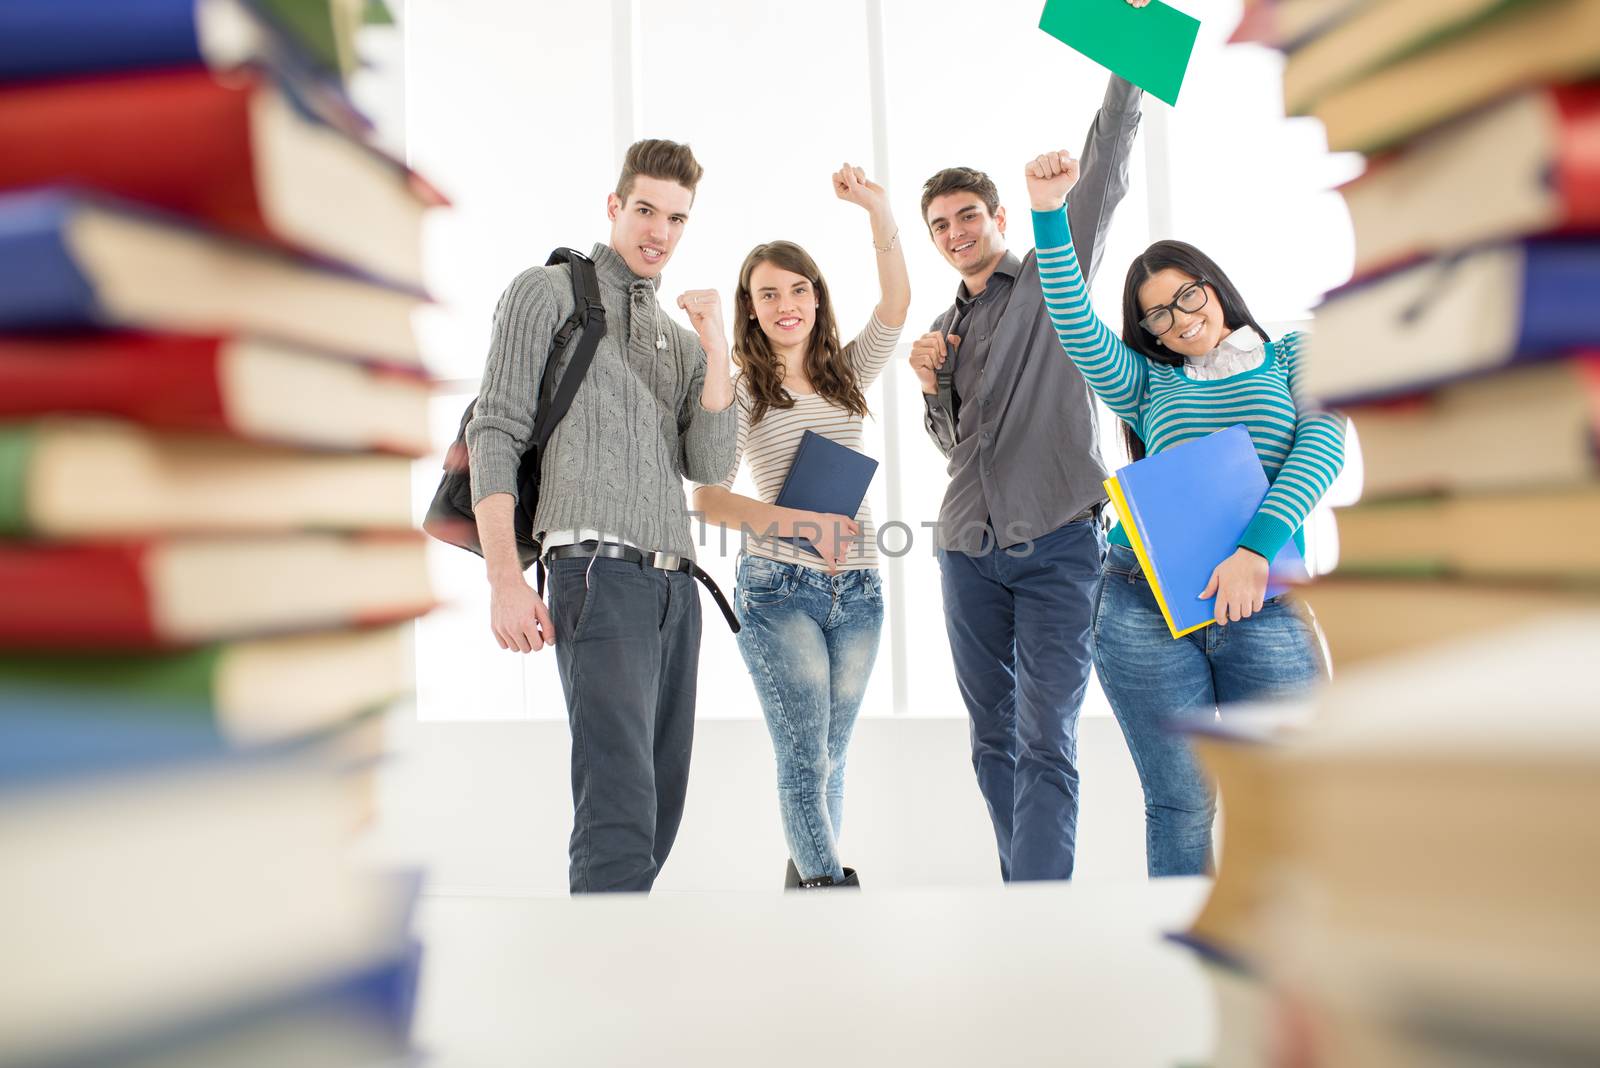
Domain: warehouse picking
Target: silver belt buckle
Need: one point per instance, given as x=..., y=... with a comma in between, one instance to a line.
x=666, y=561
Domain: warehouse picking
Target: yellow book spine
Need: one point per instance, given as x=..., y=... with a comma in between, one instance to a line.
x=1114, y=491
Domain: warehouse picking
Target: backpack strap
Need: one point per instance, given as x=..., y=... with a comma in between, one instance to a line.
x=587, y=311
x=588, y=321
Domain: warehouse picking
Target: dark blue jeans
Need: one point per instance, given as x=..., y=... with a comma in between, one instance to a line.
x=1151, y=678
x=809, y=639
x=628, y=647
x=1018, y=620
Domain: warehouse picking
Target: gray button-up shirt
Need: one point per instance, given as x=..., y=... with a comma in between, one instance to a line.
x=975, y=321
x=1025, y=455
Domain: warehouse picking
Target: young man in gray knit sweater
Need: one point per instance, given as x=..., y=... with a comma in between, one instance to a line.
x=655, y=408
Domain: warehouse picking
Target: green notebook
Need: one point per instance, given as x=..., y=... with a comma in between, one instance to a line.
x=1149, y=46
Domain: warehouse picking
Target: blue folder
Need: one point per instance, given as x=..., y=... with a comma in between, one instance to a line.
x=825, y=477
x=1189, y=505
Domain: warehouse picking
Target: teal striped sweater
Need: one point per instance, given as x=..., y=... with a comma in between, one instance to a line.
x=1302, y=449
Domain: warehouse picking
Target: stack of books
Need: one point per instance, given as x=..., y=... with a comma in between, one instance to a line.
x=210, y=401
x=1407, y=878
x=1463, y=350
x=1407, y=871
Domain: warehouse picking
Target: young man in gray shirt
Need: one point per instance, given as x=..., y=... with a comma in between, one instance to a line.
x=1019, y=540
x=656, y=407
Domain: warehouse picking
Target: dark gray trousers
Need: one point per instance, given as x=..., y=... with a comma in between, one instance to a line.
x=628, y=647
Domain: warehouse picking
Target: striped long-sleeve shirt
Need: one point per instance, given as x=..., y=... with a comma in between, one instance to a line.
x=1302, y=449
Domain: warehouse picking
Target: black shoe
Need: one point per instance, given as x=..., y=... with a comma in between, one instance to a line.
x=828, y=882
x=791, y=876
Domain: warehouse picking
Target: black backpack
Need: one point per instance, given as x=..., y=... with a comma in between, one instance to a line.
x=450, y=517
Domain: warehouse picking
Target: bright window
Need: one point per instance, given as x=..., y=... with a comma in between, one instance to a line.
x=519, y=112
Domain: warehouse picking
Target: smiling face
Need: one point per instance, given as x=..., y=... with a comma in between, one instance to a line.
x=969, y=238
x=645, y=229
x=1192, y=333
x=784, y=305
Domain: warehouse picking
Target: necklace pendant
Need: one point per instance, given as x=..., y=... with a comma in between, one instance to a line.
x=661, y=341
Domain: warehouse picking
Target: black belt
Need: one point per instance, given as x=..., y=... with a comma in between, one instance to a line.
x=1091, y=512
x=662, y=561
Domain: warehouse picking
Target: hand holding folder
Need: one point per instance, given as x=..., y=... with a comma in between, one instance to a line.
x=825, y=477
x=1184, y=510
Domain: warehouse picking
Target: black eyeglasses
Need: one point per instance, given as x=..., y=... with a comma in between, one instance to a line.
x=1191, y=298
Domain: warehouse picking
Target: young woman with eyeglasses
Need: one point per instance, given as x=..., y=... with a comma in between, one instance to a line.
x=1192, y=360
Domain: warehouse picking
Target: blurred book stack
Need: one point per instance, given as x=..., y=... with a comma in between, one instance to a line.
x=210, y=400
x=1408, y=879
x=1403, y=879
x=1463, y=350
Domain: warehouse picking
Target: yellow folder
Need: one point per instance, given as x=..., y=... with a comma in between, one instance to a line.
x=1114, y=491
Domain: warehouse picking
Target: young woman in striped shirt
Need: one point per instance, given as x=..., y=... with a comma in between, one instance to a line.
x=1192, y=360
x=810, y=623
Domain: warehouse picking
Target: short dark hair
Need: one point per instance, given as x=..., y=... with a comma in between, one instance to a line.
x=960, y=180
x=657, y=158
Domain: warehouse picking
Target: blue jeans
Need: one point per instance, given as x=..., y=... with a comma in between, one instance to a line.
x=1150, y=678
x=628, y=649
x=809, y=639
x=1018, y=621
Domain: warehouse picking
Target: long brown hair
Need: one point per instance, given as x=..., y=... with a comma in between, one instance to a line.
x=824, y=364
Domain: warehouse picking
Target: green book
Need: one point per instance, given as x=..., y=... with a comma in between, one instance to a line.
x=1149, y=46
x=263, y=690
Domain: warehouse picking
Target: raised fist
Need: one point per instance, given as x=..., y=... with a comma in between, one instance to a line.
x=1051, y=176
x=851, y=184
x=705, y=316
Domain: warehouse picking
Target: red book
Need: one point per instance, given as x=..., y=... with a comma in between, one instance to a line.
x=151, y=594
x=1528, y=165
x=245, y=387
x=229, y=149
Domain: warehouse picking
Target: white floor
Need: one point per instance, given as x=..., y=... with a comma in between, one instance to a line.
x=1048, y=974
x=933, y=963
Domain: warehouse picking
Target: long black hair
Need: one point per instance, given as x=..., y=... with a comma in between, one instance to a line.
x=1182, y=256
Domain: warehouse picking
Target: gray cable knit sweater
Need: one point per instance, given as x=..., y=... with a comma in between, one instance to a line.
x=636, y=429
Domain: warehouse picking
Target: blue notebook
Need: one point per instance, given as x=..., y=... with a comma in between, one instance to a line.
x=825, y=477
x=1186, y=508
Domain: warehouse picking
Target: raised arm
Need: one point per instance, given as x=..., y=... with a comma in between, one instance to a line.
x=1118, y=375
x=1314, y=461
x=872, y=349
x=1106, y=152
x=894, y=283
